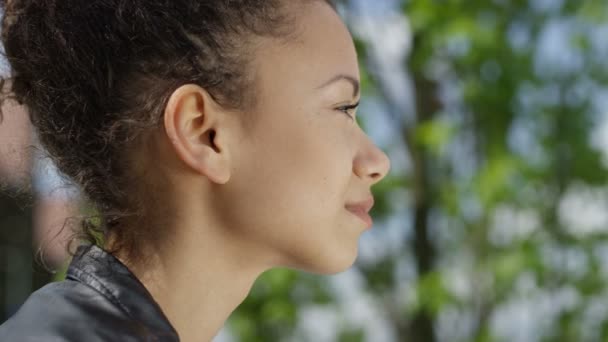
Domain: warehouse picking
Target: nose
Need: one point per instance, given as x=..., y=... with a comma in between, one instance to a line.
x=371, y=163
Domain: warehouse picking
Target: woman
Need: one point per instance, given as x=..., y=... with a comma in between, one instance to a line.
x=217, y=139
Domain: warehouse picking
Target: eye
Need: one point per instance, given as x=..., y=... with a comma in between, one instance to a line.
x=349, y=110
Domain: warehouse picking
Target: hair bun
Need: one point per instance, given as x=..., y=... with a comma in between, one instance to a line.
x=11, y=86
x=9, y=9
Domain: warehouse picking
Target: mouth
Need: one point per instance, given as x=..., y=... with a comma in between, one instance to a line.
x=361, y=210
x=364, y=216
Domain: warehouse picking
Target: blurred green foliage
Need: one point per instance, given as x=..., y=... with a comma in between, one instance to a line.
x=498, y=179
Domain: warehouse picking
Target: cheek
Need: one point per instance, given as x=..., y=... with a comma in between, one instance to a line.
x=289, y=191
x=296, y=172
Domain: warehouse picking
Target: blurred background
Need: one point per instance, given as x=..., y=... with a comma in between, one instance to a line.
x=493, y=224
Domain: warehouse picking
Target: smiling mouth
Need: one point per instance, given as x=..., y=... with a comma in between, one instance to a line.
x=363, y=215
x=361, y=210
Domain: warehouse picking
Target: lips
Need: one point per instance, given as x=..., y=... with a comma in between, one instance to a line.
x=361, y=210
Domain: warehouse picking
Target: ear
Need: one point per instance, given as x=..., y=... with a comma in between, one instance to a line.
x=196, y=127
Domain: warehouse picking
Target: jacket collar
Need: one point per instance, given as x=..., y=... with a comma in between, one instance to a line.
x=100, y=270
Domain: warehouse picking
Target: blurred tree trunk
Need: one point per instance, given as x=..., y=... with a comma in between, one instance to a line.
x=427, y=104
x=19, y=273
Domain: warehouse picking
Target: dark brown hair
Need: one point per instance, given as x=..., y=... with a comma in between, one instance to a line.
x=95, y=76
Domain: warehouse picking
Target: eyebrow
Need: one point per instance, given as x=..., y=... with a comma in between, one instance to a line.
x=350, y=79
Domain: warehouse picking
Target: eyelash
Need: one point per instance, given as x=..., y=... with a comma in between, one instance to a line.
x=346, y=109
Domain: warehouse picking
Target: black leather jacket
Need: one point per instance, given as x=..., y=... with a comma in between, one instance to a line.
x=100, y=300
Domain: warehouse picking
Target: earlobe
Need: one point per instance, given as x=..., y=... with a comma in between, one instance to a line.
x=195, y=128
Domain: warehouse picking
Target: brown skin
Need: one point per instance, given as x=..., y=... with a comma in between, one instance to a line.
x=264, y=188
x=49, y=212
x=15, y=137
x=51, y=226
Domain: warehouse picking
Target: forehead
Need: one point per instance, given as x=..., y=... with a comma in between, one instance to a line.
x=321, y=48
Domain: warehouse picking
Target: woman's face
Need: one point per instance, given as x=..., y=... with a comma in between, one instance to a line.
x=305, y=164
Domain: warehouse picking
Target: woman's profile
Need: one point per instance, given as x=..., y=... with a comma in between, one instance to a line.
x=215, y=139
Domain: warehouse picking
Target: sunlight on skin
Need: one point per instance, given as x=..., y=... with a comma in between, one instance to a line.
x=291, y=187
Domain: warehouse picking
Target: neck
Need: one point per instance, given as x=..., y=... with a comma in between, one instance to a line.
x=198, y=278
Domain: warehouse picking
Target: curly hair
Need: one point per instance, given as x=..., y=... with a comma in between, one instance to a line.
x=96, y=75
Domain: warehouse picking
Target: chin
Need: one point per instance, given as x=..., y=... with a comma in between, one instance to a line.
x=332, y=263
x=323, y=254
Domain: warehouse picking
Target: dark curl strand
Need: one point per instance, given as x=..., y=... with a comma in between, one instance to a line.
x=95, y=75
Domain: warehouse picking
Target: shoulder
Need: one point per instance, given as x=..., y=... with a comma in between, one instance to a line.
x=69, y=311
x=101, y=300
